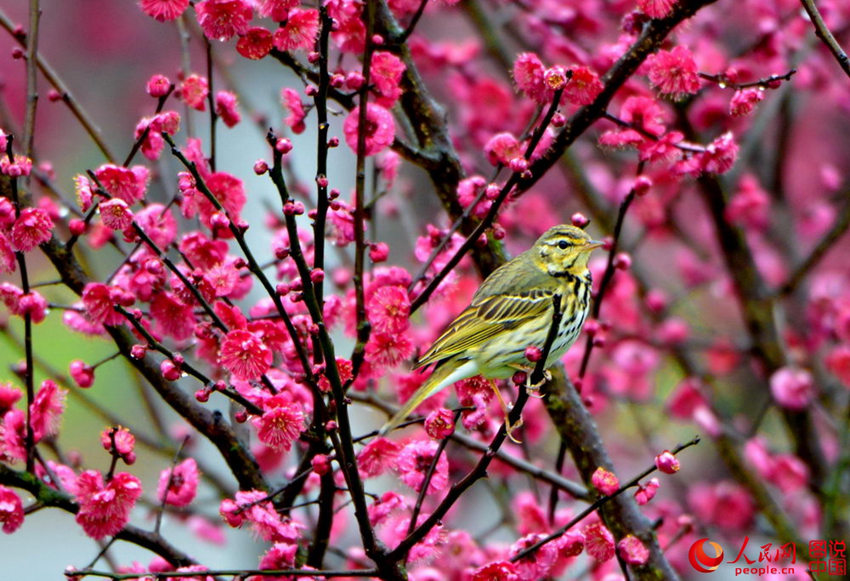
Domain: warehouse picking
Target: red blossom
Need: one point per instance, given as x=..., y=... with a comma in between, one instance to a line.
x=377, y=457
x=604, y=481
x=674, y=72
x=584, y=86
x=194, y=91
x=46, y=409
x=299, y=32
x=598, y=541
x=105, y=507
x=115, y=214
x=414, y=461
x=632, y=550
x=245, y=355
x=128, y=184
x=280, y=425
x=164, y=10
x=256, y=43
x=179, y=485
x=223, y=19
x=11, y=510
x=32, y=227
x=379, y=131
x=656, y=8
x=227, y=107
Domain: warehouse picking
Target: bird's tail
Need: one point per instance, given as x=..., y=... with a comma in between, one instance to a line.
x=443, y=376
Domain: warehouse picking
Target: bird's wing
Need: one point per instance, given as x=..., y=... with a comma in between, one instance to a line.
x=484, y=319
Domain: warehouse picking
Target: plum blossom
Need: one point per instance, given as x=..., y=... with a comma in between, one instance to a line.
x=164, y=10
x=245, y=355
x=11, y=510
x=223, y=19
x=105, y=506
x=379, y=131
x=673, y=72
x=178, y=485
x=792, y=388
x=414, y=461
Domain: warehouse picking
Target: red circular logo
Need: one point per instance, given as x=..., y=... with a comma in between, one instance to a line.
x=701, y=561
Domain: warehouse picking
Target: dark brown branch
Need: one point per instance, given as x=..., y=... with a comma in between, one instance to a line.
x=826, y=36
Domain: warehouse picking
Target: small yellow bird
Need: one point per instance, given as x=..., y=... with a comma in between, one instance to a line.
x=511, y=311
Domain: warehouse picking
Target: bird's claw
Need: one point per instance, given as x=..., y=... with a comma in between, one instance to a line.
x=534, y=387
x=509, y=429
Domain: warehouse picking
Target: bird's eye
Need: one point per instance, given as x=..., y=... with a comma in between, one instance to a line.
x=563, y=244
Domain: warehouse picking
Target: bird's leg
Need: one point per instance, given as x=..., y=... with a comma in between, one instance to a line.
x=509, y=428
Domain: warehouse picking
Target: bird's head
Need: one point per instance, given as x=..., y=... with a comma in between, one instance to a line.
x=564, y=250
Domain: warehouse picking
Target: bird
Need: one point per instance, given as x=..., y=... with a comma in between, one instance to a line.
x=512, y=310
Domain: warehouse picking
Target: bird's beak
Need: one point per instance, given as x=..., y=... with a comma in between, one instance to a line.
x=591, y=244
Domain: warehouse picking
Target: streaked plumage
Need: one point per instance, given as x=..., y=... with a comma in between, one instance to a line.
x=510, y=311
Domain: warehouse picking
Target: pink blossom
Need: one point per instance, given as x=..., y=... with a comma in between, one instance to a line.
x=745, y=100
x=632, y=550
x=379, y=132
x=387, y=70
x=276, y=9
x=604, y=481
x=11, y=510
x=245, y=355
x=725, y=504
x=440, y=424
x=388, y=309
x=32, y=304
x=256, y=43
x=121, y=441
x=172, y=316
x=9, y=395
x=584, y=86
x=792, y=388
x=253, y=506
x=598, y=541
x=496, y=571
x=388, y=504
x=163, y=10
x=194, y=91
x=13, y=436
x=105, y=507
x=292, y=102
x=8, y=262
x=280, y=424
x=20, y=165
x=46, y=409
x=413, y=463
x=179, y=485
x=673, y=72
x=537, y=565
x=502, y=148
x=128, y=184
x=223, y=19
x=656, y=8
x=720, y=155
x=227, y=107
x=789, y=473
x=571, y=544
x=528, y=75
x=379, y=252
x=279, y=556
x=646, y=492
x=667, y=462
x=750, y=205
x=158, y=85
x=31, y=228
x=115, y=214
x=377, y=456
x=201, y=250
x=388, y=349
x=299, y=31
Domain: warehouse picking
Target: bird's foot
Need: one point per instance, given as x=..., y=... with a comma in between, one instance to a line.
x=534, y=388
x=509, y=429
